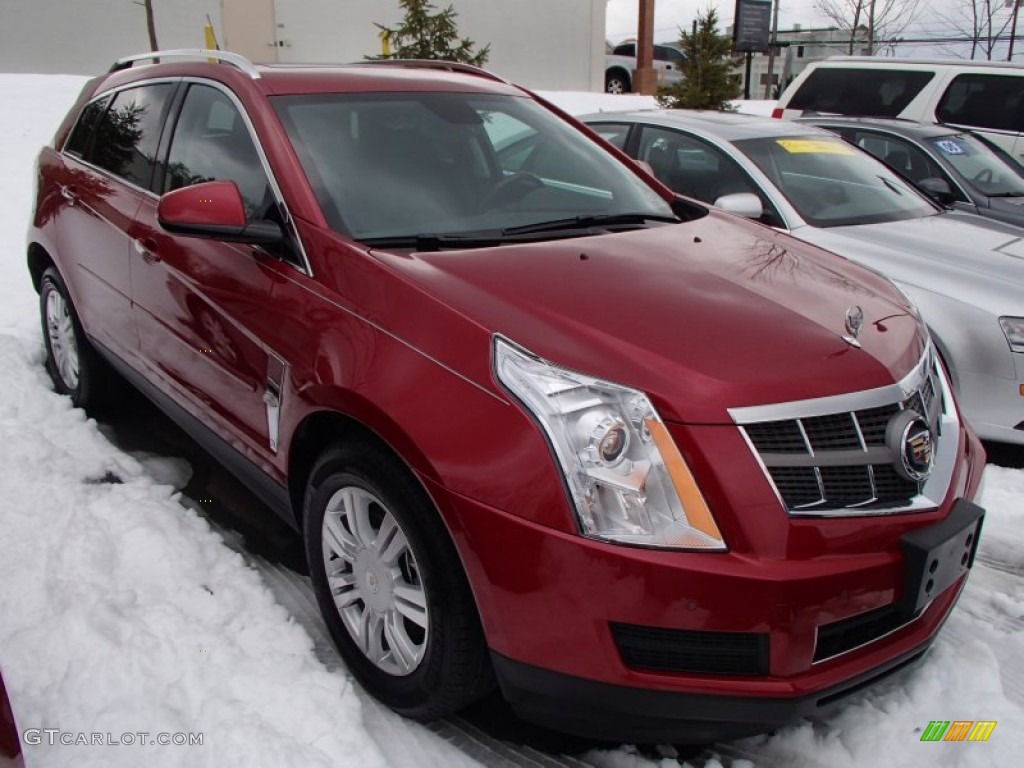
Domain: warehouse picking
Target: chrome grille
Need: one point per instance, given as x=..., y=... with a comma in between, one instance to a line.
x=830, y=456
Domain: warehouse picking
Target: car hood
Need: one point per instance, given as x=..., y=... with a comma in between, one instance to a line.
x=977, y=260
x=703, y=316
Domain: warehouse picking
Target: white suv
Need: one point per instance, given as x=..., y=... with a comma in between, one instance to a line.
x=981, y=96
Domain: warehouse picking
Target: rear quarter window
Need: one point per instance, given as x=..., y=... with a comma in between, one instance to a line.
x=859, y=91
x=994, y=102
x=78, y=141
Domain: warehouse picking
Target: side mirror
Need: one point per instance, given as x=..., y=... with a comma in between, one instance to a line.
x=937, y=189
x=745, y=204
x=214, y=209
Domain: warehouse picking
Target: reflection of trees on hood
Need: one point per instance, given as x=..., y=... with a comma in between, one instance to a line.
x=117, y=137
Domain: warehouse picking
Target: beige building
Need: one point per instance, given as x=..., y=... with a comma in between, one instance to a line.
x=553, y=44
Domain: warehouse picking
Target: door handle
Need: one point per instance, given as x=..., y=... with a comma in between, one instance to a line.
x=146, y=248
x=68, y=193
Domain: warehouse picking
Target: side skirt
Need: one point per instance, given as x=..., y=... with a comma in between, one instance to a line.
x=272, y=493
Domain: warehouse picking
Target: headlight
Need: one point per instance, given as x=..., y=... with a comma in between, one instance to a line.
x=627, y=479
x=1013, y=328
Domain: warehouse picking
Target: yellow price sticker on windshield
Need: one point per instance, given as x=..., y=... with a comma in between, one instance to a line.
x=814, y=147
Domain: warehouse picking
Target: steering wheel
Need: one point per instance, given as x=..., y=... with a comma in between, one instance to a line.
x=512, y=188
x=984, y=176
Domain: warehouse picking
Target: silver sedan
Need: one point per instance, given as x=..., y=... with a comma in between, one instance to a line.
x=965, y=273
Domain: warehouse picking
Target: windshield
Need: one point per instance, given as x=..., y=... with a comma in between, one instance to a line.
x=832, y=184
x=386, y=166
x=980, y=165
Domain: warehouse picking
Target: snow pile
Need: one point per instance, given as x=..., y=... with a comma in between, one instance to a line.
x=120, y=611
x=585, y=102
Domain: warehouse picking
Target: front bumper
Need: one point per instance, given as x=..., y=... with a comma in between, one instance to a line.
x=550, y=603
x=642, y=716
x=994, y=406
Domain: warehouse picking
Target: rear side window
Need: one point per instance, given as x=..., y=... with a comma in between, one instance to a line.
x=859, y=91
x=995, y=102
x=126, y=136
x=78, y=142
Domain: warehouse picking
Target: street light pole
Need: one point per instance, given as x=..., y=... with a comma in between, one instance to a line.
x=644, y=78
x=1013, y=29
x=771, y=51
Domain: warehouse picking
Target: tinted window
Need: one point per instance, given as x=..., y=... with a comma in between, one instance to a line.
x=695, y=169
x=626, y=49
x=984, y=101
x=406, y=164
x=127, y=135
x=212, y=143
x=904, y=157
x=859, y=91
x=832, y=184
x=78, y=141
x=613, y=133
x=990, y=172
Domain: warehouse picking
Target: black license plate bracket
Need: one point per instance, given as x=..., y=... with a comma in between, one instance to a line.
x=938, y=555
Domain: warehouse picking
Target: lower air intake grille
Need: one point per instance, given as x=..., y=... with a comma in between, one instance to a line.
x=842, y=636
x=680, y=650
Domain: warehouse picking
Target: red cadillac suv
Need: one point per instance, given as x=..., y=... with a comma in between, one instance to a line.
x=654, y=488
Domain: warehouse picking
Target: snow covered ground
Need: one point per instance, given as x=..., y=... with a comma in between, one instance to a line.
x=122, y=610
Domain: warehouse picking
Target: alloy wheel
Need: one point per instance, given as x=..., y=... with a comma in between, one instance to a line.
x=375, y=581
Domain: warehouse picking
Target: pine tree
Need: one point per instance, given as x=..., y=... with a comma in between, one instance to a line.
x=428, y=33
x=708, y=80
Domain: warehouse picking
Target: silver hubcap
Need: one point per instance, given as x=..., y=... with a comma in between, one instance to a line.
x=375, y=581
x=63, y=343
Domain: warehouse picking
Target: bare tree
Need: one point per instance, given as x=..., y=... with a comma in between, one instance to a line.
x=982, y=24
x=873, y=21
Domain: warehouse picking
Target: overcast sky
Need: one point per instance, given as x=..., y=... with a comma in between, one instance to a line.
x=671, y=14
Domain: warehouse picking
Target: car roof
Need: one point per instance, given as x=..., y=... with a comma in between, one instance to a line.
x=728, y=126
x=931, y=62
x=908, y=128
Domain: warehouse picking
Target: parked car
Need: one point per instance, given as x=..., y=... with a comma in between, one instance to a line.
x=965, y=272
x=986, y=97
x=621, y=62
x=10, y=738
x=543, y=425
x=956, y=169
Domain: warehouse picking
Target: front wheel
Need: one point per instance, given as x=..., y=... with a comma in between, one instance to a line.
x=390, y=585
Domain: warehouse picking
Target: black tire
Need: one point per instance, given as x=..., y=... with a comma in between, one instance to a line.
x=617, y=81
x=92, y=377
x=454, y=668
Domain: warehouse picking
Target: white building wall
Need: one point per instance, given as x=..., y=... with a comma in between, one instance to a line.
x=85, y=37
x=547, y=44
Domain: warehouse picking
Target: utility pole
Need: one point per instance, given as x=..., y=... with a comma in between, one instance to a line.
x=1013, y=29
x=645, y=80
x=771, y=51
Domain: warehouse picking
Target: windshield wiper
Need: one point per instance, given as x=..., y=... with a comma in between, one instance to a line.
x=431, y=242
x=1004, y=194
x=586, y=222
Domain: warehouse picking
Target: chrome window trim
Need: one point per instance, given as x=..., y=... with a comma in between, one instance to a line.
x=947, y=443
x=305, y=268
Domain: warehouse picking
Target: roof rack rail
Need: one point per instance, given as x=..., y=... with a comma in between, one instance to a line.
x=448, y=66
x=227, y=57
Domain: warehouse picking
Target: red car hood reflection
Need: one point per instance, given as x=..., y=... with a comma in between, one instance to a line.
x=703, y=316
